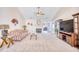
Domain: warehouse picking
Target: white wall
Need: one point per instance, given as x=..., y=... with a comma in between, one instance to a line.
x=31, y=28
x=7, y=14
x=67, y=12
x=34, y=26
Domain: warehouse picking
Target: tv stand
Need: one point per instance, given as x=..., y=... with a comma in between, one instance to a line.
x=70, y=38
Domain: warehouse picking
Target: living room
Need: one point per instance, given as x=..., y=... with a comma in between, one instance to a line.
x=35, y=28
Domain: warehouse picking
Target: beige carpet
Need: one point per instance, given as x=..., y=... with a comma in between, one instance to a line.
x=45, y=43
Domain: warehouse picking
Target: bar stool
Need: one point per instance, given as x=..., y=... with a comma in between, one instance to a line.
x=33, y=35
x=7, y=40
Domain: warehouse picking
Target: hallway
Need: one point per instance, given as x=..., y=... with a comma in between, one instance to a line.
x=45, y=43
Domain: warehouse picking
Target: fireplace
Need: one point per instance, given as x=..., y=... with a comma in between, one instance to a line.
x=38, y=30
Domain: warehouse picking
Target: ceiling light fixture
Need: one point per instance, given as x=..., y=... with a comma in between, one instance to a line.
x=39, y=12
x=39, y=16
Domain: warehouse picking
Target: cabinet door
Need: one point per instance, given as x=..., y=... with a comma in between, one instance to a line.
x=70, y=40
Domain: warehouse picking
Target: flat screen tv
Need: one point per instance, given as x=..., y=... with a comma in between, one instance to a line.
x=66, y=26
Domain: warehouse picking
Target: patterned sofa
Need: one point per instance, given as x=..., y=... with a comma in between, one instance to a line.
x=18, y=34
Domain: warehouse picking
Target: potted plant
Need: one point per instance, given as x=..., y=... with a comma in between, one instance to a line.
x=24, y=27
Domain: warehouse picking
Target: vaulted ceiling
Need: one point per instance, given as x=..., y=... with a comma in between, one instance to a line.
x=51, y=13
x=30, y=12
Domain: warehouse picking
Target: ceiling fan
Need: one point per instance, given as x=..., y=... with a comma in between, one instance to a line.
x=39, y=12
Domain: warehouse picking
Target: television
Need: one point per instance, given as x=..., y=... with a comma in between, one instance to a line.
x=66, y=26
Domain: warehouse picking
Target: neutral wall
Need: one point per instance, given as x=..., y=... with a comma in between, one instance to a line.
x=7, y=14
x=31, y=28
x=67, y=12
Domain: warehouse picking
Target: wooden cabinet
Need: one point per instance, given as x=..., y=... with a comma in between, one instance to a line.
x=76, y=26
x=70, y=38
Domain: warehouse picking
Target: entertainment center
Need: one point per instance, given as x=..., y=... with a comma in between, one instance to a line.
x=66, y=32
x=69, y=31
x=70, y=38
